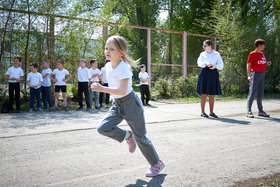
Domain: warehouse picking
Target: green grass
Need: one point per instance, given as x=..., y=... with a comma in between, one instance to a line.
x=225, y=97
x=136, y=87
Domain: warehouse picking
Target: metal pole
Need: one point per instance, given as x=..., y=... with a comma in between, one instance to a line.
x=149, y=55
x=184, y=55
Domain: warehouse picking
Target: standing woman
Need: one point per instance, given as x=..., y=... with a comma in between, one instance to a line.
x=210, y=62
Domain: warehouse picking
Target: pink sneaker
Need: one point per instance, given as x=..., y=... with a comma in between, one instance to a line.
x=155, y=169
x=131, y=142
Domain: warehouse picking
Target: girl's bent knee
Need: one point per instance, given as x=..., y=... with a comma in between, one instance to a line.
x=101, y=130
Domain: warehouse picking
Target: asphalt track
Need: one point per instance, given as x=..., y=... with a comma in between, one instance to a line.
x=64, y=148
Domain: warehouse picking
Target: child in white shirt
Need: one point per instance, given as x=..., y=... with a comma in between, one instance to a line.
x=83, y=78
x=94, y=78
x=144, y=85
x=34, y=80
x=46, y=86
x=14, y=76
x=60, y=83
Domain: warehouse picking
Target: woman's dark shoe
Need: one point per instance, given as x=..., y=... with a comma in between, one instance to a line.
x=214, y=115
x=204, y=115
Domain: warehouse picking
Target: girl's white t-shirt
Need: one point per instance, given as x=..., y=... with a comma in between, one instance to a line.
x=59, y=76
x=114, y=76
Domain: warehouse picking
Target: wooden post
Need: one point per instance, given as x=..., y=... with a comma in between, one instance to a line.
x=149, y=55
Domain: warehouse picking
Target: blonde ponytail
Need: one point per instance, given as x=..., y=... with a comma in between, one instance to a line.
x=121, y=45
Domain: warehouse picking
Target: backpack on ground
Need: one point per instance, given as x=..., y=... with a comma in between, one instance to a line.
x=5, y=106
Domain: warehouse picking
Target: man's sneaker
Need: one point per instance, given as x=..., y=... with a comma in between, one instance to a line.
x=65, y=109
x=263, y=114
x=106, y=106
x=131, y=142
x=88, y=108
x=250, y=115
x=30, y=110
x=40, y=110
x=155, y=169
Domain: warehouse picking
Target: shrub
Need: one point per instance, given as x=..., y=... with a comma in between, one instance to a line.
x=174, y=88
x=162, y=87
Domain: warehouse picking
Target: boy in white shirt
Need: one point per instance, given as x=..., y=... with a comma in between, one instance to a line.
x=83, y=79
x=94, y=78
x=60, y=83
x=34, y=80
x=144, y=85
x=46, y=86
x=104, y=82
x=14, y=76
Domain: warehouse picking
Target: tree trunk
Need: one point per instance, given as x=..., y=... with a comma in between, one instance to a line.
x=170, y=42
x=261, y=30
x=143, y=35
x=26, y=46
x=5, y=30
x=52, y=39
x=276, y=38
x=244, y=11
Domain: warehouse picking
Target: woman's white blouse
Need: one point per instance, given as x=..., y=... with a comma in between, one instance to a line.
x=213, y=58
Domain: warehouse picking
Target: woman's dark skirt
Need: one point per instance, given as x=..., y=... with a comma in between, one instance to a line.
x=208, y=82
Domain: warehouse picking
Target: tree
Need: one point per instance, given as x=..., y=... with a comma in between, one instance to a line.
x=5, y=29
x=225, y=23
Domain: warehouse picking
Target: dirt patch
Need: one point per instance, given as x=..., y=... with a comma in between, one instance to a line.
x=268, y=181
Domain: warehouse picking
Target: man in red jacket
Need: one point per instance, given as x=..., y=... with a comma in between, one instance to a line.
x=256, y=68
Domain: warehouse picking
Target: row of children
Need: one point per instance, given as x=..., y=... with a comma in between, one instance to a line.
x=40, y=83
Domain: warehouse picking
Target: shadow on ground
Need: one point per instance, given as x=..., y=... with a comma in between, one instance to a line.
x=269, y=119
x=234, y=121
x=154, y=182
x=46, y=118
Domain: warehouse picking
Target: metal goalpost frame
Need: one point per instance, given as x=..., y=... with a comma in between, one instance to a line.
x=148, y=29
